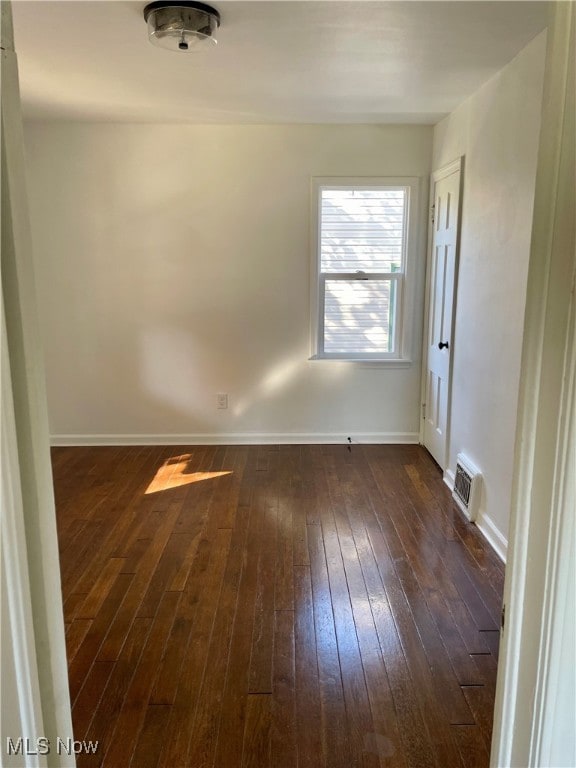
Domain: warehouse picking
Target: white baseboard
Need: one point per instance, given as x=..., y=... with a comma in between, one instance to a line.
x=493, y=535
x=485, y=524
x=237, y=438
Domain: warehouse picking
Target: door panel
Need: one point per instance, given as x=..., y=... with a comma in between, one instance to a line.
x=439, y=341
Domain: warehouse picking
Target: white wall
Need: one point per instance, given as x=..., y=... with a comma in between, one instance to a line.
x=173, y=263
x=497, y=131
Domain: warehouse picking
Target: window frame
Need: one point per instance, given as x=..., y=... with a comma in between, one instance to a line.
x=405, y=280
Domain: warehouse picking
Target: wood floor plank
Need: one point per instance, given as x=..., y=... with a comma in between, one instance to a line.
x=265, y=507
x=301, y=555
x=75, y=634
x=256, y=740
x=487, y=666
x=260, y=671
x=226, y=492
x=203, y=736
x=384, y=741
x=234, y=699
x=135, y=554
x=199, y=604
x=409, y=741
x=471, y=745
x=93, y=601
x=111, y=702
x=283, y=752
x=273, y=607
x=432, y=708
x=71, y=604
x=473, y=638
x=167, y=569
x=195, y=499
x=89, y=697
x=75, y=555
x=147, y=751
x=465, y=669
x=443, y=675
x=334, y=725
x=307, y=690
x=415, y=739
x=116, y=516
x=358, y=712
x=205, y=576
x=139, y=585
x=88, y=650
x=416, y=744
x=479, y=699
x=129, y=722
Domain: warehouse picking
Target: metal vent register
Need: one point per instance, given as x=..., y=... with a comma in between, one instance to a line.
x=466, y=487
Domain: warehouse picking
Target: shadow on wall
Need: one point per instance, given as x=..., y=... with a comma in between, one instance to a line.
x=164, y=380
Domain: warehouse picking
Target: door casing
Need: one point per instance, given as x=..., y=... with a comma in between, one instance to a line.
x=456, y=165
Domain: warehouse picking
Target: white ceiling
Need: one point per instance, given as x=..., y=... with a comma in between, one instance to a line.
x=276, y=62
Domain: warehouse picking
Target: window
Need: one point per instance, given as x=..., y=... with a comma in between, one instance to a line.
x=362, y=268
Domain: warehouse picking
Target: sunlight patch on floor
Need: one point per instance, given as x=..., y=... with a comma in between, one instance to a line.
x=173, y=475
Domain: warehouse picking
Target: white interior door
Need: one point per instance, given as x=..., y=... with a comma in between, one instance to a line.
x=441, y=278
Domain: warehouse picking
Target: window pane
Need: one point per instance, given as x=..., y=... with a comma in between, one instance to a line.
x=359, y=316
x=362, y=229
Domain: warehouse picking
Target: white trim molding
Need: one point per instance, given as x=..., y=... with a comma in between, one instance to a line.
x=242, y=438
x=449, y=478
x=20, y=691
x=493, y=535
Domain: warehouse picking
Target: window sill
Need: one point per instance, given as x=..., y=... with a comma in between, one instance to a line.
x=365, y=361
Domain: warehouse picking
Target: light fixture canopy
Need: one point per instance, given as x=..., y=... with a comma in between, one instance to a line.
x=181, y=25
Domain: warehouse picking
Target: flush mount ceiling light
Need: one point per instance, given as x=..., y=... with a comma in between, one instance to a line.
x=181, y=25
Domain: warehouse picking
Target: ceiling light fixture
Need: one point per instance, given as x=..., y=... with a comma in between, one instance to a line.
x=181, y=25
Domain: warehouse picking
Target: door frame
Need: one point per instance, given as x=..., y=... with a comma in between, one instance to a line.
x=38, y=689
x=441, y=173
x=531, y=720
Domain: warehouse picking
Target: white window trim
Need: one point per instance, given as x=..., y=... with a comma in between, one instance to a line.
x=406, y=280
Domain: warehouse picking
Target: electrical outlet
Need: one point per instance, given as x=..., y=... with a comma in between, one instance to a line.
x=222, y=400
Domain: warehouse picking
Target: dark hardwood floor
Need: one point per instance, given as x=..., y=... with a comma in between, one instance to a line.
x=274, y=606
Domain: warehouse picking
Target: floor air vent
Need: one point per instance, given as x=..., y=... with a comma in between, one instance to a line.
x=466, y=487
